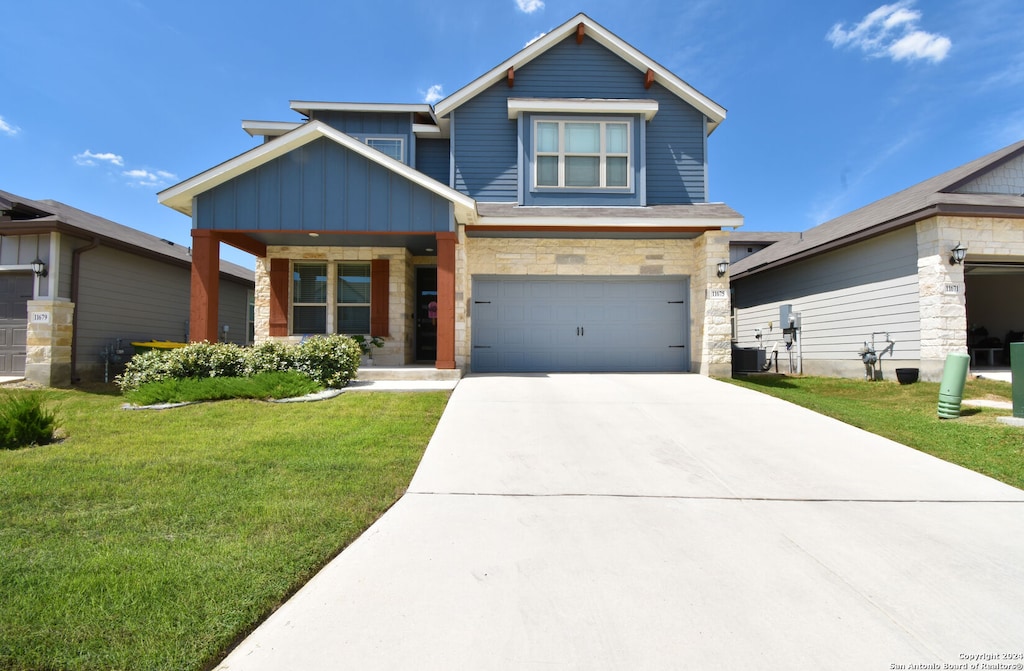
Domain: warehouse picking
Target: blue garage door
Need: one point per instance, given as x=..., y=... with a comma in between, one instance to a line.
x=597, y=324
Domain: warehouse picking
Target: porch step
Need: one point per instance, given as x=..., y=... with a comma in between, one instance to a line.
x=410, y=373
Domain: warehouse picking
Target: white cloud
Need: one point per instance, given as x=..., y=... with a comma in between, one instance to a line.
x=433, y=94
x=534, y=40
x=89, y=158
x=8, y=128
x=163, y=174
x=529, y=6
x=892, y=31
x=147, y=178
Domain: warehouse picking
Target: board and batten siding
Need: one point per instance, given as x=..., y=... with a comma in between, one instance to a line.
x=842, y=296
x=362, y=125
x=322, y=186
x=122, y=295
x=485, y=141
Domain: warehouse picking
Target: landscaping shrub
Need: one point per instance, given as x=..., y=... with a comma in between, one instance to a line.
x=275, y=384
x=330, y=360
x=269, y=356
x=24, y=421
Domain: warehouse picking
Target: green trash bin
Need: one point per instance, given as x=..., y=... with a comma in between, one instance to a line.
x=951, y=390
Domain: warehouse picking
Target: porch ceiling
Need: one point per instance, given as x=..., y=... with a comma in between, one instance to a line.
x=417, y=243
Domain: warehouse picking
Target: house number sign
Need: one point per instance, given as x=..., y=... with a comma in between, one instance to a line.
x=952, y=289
x=719, y=293
x=40, y=317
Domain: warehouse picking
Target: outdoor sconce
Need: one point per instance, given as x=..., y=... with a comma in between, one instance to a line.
x=958, y=254
x=39, y=268
x=723, y=266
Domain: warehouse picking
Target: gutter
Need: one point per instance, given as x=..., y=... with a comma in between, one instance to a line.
x=887, y=227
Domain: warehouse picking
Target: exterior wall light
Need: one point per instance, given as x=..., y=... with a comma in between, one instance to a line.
x=723, y=266
x=958, y=254
x=39, y=268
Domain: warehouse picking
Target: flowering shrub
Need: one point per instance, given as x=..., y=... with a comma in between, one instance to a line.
x=329, y=360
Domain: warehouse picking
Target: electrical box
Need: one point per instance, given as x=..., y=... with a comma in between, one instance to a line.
x=785, y=315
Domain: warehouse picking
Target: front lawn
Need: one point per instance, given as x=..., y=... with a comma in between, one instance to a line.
x=908, y=414
x=155, y=539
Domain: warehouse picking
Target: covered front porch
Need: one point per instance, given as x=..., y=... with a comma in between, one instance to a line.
x=396, y=289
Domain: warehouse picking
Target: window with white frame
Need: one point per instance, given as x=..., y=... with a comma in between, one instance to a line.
x=353, y=298
x=315, y=286
x=392, y=146
x=582, y=154
x=309, y=298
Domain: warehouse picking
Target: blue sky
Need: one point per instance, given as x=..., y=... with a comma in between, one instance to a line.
x=831, y=105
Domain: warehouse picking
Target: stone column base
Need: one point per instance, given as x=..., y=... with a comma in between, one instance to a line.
x=48, y=355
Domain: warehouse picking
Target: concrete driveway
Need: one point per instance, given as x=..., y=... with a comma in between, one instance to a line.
x=663, y=522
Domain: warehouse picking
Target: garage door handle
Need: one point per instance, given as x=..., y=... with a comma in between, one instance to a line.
x=675, y=302
x=676, y=346
x=481, y=347
x=482, y=302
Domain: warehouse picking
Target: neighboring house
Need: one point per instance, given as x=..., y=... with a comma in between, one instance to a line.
x=888, y=269
x=551, y=215
x=97, y=282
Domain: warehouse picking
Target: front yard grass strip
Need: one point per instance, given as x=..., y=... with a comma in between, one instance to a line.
x=908, y=414
x=156, y=540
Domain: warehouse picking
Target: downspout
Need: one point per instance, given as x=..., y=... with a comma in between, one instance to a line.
x=75, y=266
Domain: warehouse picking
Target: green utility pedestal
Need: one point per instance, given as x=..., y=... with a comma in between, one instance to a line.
x=951, y=390
x=1017, y=377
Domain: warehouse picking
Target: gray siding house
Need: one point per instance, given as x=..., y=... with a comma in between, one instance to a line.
x=551, y=215
x=888, y=272
x=98, y=282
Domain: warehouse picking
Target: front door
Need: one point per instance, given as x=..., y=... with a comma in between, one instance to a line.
x=15, y=292
x=426, y=314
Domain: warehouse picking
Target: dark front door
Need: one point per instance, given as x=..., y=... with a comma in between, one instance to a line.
x=15, y=292
x=426, y=314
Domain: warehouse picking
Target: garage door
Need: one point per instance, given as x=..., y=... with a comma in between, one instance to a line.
x=15, y=292
x=523, y=324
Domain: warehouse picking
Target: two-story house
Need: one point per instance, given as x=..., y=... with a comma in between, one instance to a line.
x=551, y=215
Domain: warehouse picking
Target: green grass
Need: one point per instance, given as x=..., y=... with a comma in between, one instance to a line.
x=908, y=414
x=281, y=384
x=153, y=540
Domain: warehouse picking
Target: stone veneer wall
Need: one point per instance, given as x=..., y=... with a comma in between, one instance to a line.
x=397, y=348
x=48, y=354
x=943, y=312
x=696, y=258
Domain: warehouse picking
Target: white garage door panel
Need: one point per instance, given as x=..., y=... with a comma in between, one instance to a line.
x=525, y=324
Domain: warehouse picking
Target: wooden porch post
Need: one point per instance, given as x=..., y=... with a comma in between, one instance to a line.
x=446, y=300
x=205, y=297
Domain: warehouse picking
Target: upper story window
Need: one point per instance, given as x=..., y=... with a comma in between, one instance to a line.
x=392, y=146
x=582, y=154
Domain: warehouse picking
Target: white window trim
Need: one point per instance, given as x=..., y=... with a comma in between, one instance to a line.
x=388, y=138
x=630, y=155
x=331, y=322
x=337, y=294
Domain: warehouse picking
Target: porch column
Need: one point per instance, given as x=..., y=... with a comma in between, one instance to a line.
x=446, y=300
x=205, y=296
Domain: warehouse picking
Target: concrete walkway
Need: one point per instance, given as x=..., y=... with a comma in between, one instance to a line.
x=662, y=522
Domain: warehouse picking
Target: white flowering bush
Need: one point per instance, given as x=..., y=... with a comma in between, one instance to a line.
x=329, y=360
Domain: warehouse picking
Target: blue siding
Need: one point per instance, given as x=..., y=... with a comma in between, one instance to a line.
x=362, y=125
x=322, y=186
x=433, y=159
x=485, y=140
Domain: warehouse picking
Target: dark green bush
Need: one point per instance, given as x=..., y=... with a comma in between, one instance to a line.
x=24, y=421
x=276, y=384
x=330, y=360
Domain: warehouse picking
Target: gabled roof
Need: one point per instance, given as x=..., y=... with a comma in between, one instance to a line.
x=51, y=215
x=179, y=197
x=920, y=201
x=712, y=110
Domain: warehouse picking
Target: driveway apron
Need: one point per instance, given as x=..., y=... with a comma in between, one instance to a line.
x=637, y=521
